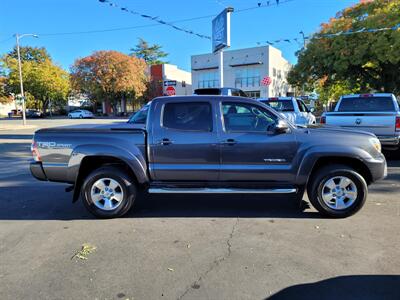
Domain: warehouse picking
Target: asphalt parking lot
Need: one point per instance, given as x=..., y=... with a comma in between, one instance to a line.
x=189, y=246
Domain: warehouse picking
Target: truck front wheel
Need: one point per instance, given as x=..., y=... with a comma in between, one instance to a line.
x=337, y=191
x=108, y=192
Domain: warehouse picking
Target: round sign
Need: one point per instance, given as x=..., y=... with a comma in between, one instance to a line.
x=170, y=91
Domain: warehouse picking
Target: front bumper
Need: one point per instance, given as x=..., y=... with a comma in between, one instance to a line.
x=37, y=170
x=377, y=167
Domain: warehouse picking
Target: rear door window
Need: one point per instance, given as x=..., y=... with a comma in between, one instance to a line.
x=190, y=116
x=355, y=104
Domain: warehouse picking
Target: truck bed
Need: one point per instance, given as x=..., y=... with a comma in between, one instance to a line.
x=61, y=149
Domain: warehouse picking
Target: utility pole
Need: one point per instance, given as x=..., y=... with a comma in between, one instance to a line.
x=17, y=38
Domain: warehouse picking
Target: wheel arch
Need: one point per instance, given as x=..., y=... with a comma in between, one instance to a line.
x=351, y=162
x=89, y=163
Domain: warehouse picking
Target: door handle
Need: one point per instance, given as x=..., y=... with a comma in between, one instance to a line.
x=165, y=142
x=229, y=142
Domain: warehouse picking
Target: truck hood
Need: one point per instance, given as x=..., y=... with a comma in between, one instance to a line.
x=325, y=129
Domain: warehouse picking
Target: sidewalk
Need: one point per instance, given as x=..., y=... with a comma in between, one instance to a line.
x=16, y=127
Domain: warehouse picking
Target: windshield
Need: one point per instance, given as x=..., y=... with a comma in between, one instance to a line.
x=366, y=104
x=280, y=105
x=140, y=116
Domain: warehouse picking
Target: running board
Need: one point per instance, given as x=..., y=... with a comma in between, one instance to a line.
x=167, y=190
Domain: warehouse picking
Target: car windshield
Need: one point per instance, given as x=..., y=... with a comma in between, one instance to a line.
x=280, y=105
x=140, y=116
x=366, y=104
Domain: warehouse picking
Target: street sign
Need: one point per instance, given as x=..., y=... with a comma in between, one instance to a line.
x=170, y=82
x=221, y=30
x=170, y=91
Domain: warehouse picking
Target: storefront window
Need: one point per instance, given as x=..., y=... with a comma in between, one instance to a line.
x=249, y=77
x=208, y=80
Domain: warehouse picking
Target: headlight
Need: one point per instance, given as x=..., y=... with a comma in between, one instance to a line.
x=376, y=144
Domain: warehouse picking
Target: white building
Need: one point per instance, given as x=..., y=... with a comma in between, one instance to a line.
x=6, y=108
x=244, y=69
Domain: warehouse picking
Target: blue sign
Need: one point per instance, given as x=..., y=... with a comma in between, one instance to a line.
x=221, y=30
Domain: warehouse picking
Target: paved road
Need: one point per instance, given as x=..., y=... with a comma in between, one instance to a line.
x=191, y=247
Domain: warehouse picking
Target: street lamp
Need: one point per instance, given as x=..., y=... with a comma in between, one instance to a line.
x=18, y=37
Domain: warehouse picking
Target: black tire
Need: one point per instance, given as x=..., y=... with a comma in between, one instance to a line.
x=126, y=183
x=316, y=184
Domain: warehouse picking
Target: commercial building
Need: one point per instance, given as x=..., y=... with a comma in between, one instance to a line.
x=168, y=79
x=244, y=69
x=165, y=79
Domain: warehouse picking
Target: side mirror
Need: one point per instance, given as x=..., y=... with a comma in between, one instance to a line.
x=281, y=126
x=312, y=109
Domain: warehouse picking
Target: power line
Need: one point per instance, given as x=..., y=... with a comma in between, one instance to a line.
x=156, y=19
x=331, y=35
x=6, y=40
x=259, y=5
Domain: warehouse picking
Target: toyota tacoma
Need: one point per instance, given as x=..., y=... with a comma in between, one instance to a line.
x=210, y=144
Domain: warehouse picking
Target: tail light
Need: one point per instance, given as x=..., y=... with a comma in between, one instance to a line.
x=35, y=151
x=398, y=123
x=322, y=120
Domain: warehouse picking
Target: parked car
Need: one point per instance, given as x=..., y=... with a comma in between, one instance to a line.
x=33, y=113
x=376, y=113
x=227, y=91
x=293, y=109
x=202, y=145
x=80, y=114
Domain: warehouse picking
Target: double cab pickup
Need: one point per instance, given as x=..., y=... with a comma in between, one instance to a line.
x=210, y=144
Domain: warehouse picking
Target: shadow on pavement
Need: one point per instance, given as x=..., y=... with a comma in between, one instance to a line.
x=365, y=287
x=42, y=201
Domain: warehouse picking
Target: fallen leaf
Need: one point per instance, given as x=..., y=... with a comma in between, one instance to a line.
x=170, y=269
x=85, y=251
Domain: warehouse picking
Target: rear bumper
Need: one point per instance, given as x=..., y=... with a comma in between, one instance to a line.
x=390, y=140
x=37, y=171
x=377, y=167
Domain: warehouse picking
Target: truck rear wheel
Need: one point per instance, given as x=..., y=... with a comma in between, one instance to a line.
x=337, y=191
x=108, y=192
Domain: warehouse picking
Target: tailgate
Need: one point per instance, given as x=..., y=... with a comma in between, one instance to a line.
x=379, y=123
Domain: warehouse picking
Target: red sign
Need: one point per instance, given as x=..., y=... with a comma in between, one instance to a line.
x=266, y=80
x=170, y=91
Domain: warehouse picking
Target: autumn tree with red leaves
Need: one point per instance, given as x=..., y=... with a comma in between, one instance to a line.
x=110, y=76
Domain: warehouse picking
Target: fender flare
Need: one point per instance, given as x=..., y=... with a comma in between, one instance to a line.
x=134, y=159
x=313, y=154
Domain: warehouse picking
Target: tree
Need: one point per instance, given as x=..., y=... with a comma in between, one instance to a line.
x=30, y=54
x=109, y=75
x=43, y=80
x=5, y=96
x=364, y=61
x=152, y=55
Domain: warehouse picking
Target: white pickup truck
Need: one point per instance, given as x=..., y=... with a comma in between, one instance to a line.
x=376, y=113
x=292, y=109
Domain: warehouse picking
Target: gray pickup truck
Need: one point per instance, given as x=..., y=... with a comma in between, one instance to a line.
x=210, y=144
